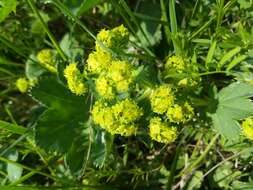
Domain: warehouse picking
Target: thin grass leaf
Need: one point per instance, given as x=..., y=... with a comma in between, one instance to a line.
x=173, y=17
x=134, y=20
x=210, y=53
x=228, y=56
x=69, y=14
x=165, y=19
x=9, y=44
x=221, y=12
x=129, y=25
x=16, y=129
x=202, y=28
x=236, y=61
x=45, y=27
x=6, y=71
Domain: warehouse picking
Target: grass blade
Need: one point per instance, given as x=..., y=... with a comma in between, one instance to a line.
x=236, y=61
x=165, y=19
x=45, y=27
x=173, y=17
x=210, y=53
x=13, y=128
x=228, y=56
x=131, y=15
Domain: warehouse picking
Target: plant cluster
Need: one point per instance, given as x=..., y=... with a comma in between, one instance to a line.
x=161, y=101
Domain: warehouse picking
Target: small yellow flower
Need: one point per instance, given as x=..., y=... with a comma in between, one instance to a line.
x=112, y=38
x=103, y=115
x=175, y=64
x=161, y=132
x=247, y=128
x=189, y=82
x=117, y=119
x=74, y=79
x=183, y=82
x=22, y=84
x=125, y=130
x=162, y=98
x=121, y=73
x=180, y=114
x=98, y=62
x=175, y=114
x=104, y=87
x=46, y=59
x=127, y=111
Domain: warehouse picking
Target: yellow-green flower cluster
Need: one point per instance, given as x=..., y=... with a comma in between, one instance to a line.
x=162, y=98
x=46, y=59
x=104, y=87
x=119, y=118
x=177, y=113
x=74, y=79
x=114, y=38
x=175, y=64
x=22, y=85
x=189, y=82
x=117, y=80
x=247, y=128
x=121, y=73
x=113, y=76
x=99, y=61
x=164, y=102
x=161, y=131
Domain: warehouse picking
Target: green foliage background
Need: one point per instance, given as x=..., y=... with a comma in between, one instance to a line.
x=47, y=137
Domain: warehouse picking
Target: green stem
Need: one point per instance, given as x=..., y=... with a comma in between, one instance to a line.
x=220, y=13
x=69, y=14
x=45, y=27
x=202, y=28
x=166, y=20
x=173, y=27
x=131, y=15
x=28, y=168
x=173, y=168
x=13, y=47
x=213, y=72
x=201, y=157
x=23, y=178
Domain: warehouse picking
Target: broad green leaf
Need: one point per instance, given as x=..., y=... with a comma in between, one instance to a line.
x=224, y=175
x=195, y=181
x=37, y=27
x=71, y=47
x=245, y=4
x=76, y=157
x=151, y=29
x=80, y=6
x=53, y=94
x=86, y=5
x=146, y=76
x=33, y=69
x=101, y=147
x=233, y=105
x=58, y=126
x=14, y=172
x=6, y=7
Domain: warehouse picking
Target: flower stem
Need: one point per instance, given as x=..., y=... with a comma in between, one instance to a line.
x=45, y=27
